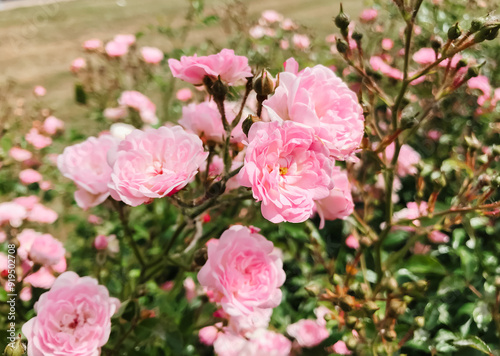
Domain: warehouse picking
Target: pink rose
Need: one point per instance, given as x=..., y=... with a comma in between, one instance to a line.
x=481, y=83
x=127, y=39
x=352, y=242
x=271, y=16
x=425, y=56
x=230, y=344
x=244, y=271
x=73, y=318
x=407, y=160
x=316, y=97
x=29, y=176
x=92, y=44
x=184, y=94
x=257, y=32
x=86, y=165
x=155, y=163
x=205, y=121
x=141, y=103
x=379, y=64
x=189, y=288
x=28, y=202
x=12, y=213
x=46, y=250
x=209, y=334
x=438, y=237
x=301, y=41
x=368, y=15
x=231, y=68
x=39, y=91
x=288, y=168
x=261, y=342
x=20, y=154
x=42, y=214
x=288, y=25
x=412, y=211
x=115, y=113
x=43, y=278
x=339, y=204
x=78, y=64
x=116, y=49
x=387, y=44
x=37, y=140
x=152, y=55
x=52, y=125
x=308, y=333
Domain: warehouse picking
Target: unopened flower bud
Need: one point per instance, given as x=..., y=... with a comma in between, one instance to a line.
x=264, y=85
x=351, y=343
x=475, y=26
x=16, y=348
x=219, y=90
x=248, y=122
x=472, y=142
x=391, y=284
x=337, y=279
x=342, y=46
x=201, y=256
x=408, y=121
x=486, y=33
x=497, y=281
x=422, y=285
x=351, y=321
x=346, y=303
x=312, y=289
x=490, y=36
x=356, y=36
x=420, y=321
x=216, y=189
x=396, y=307
x=390, y=335
x=436, y=44
x=454, y=32
x=461, y=63
x=438, y=179
x=371, y=307
x=472, y=72
x=342, y=20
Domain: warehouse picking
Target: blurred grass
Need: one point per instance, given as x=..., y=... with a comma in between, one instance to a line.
x=38, y=43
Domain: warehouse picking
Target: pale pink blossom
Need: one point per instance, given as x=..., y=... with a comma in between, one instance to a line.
x=257, y=32
x=316, y=97
x=352, y=242
x=46, y=250
x=51, y=125
x=39, y=91
x=20, y=154
x=42, y=214
x=482, y=83
x=434, y=135
x=379, y=64
x=29, y=176
x=438, y=237
x=86, y=165
x=288, y=25
x=425, y=56
x=78, y=64
x=184, y=94
x=412, y=211
x=101, y=242
x=261, y=342
x=38, y=140
x=338, y=204
x=387, y=44
x=407, y=160
x=26, y=294
x=231, y=68
x=141, y=103
x=12, y=213
x=230, y=344
x=116, y=49
x=288, y=168
x=115, y=113
x=94, y=219
x=244, y=271
x=368, y=15
x=245, y=324
x=284, y=44
x=271, y=16
x=216, y=167
x=167, y=286
x=189, y=288
x=307, y=332
x=421, y=249
x=73, y=318
x=301, y=41
x=3, y=237
x=28, y=202
x=154, y=163
x=340, y=348
x=127, y=39
x=43, y=278
x=92, y=44
x=152, y=55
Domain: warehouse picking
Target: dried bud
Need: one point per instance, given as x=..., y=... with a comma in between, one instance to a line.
x=390, y=335
x=365, y=241
x=497, y=281
x=216, y=189
x=438, y=179
x=454, y=32
x=419, y=321
x=422, y=285
x=436, y=44
x=342, y=20
x=391, y=284
x=313, y=290
x=342, y=46
x=351, y=321
x=371, y=307
x=264, y=85
x=396, y=307
x=219, y=90
x=472, y=142
x=201, y=256
x=408, y=121
x=356, y=36
x=346, y=303
x=351, y=343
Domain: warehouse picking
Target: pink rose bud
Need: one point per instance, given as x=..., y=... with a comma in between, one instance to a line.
x=387, y=44
x=94, y=219
x=20, y=154
x=78, y=64
x=231, y=68
x=92, y=44
x=352, y=242
x=29, y=176
x=52, y=125
x=73, y=306
x=288, y=25
x=271, y=16
x=167, y=286
x=101, y=242
x=184, y=94
x=340, y=348
x=151, y=55
x=190, y=288
x=116, y=49
x=128, y=39
x=208, y=334
x=42, y=214
x=368, y=15
x=12, y=213
x=284, y=44
x=301, y=41
x=438, y=237
x=39, y=90
x=38, y=140
x=141, y=103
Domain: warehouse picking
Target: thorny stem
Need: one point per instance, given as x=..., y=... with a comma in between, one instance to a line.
x=128, y=232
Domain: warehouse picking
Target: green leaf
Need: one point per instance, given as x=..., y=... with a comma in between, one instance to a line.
x=211, y=20
x=450, y=284
x=475, y=343
x=423, y=264
x=469, y=262
x=80, y=95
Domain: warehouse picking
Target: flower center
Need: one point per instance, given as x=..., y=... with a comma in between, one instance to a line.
x=283, y=170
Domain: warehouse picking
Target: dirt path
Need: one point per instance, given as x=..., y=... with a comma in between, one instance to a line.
x=14, y=4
